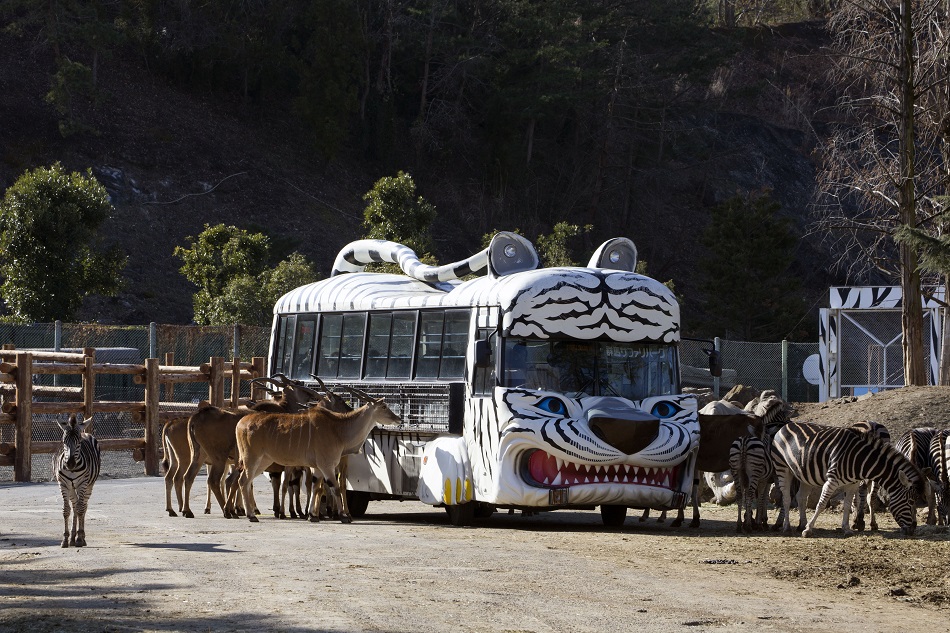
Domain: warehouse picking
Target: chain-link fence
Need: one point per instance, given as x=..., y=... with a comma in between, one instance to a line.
x=191, y=346
x=761, y=366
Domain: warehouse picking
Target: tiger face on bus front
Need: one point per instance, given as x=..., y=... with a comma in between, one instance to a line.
x=541, y=448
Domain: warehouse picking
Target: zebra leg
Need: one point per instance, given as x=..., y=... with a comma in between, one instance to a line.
x=66, y=511
x=827, y=491
x=784, y=478
x=859, y=507
x=79, y=519
x=872, y=499
x=849, y=496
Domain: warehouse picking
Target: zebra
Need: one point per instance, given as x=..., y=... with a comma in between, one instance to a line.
x=752, y=471
x=940, y=462
x=915, y=445
x=868, y=491
x=77, y=468
x=840, y=459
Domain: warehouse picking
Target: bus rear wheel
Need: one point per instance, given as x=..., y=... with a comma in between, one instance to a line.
x=461, y=514
x=613, y=516
x=357, y=501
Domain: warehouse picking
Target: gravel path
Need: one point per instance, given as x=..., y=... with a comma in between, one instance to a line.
x=404, y=568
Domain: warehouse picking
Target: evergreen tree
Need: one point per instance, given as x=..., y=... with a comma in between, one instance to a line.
x=750, y=293
x=235, y=283
x=394, y=212
x=50, y=256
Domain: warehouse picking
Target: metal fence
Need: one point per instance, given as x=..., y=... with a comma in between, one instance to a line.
x=757, y=365
x=761, y=366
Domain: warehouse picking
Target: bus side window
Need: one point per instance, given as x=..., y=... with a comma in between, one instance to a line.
x=484, y=377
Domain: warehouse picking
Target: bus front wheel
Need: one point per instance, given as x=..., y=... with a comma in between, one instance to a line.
x=461, y=514
x=356, y=502
x=613, y=516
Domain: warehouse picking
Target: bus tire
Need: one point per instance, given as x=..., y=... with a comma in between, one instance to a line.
x=483, y=510
x=613, y=516
x=461, y=514
x=357, y=501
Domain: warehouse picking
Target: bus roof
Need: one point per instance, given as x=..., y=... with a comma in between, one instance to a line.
x=575, y=302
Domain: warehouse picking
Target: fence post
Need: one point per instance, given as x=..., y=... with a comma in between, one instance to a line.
x=153, y=340
x=257, y=392
x=716, y=378
x=23, y=458
x=216, y=382
x=57, y=345
x=785, y=370
x=235, y=382
x=88, y=381
x=151, y=416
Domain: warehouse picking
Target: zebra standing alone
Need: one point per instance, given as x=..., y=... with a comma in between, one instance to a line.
x=77, y=467
x=840, y=459
x=752, y=472
x=915, y=446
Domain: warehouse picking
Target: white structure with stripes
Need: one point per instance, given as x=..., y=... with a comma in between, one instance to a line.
x=860, y=340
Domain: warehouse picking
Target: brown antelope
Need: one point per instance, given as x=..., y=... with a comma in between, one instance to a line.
x=211, y=440
x=177, y=458
x=316, y=439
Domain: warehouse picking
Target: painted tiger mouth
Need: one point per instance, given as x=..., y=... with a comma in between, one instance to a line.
x=553, y=472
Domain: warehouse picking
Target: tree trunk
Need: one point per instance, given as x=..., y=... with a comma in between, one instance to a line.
x=912, y=316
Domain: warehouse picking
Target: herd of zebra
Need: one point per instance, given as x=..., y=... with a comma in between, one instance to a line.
x=858, y=461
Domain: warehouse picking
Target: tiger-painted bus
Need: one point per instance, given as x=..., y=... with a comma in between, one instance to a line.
x=518, y=386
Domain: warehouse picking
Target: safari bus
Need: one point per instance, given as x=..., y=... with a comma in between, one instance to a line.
x=517, y=386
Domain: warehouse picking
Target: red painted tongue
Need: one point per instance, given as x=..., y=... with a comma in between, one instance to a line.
x=542, y=466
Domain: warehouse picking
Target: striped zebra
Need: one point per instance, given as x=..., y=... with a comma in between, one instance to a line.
x=940, y=462
x=840, y=459
x=915, y=445
x=77, y=468
x=868, y=491
x=752, y=472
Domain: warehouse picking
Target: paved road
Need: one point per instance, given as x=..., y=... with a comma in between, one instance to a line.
x=403, y=568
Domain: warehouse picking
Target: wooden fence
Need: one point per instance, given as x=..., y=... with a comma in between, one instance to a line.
x=18, y=367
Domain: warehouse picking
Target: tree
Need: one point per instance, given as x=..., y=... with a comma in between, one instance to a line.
x=751, y=295
x=394, y=212
x=235, y=284
x=50, y=254
x=881, y=168
x=554, y=249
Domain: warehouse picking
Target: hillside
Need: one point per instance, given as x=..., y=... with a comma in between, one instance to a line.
x=174, y=160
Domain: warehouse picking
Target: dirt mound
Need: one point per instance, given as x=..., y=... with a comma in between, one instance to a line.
x=897, y=409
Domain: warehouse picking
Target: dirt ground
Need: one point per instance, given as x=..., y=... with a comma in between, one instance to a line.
x=405, y=568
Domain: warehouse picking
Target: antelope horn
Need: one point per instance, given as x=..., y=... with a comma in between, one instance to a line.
x=361, y=394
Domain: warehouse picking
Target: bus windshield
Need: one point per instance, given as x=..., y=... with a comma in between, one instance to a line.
x=596, y=368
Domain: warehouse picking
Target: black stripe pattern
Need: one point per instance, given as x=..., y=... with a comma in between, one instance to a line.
x=77, y=466
x=839, y=459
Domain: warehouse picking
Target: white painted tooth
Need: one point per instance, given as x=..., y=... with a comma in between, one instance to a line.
x=666, y=481
x=559, y=463
x=557, y=480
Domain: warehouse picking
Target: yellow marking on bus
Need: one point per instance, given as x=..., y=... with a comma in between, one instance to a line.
x=447, y=494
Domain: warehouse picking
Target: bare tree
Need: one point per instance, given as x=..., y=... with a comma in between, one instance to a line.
x=883, y=166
